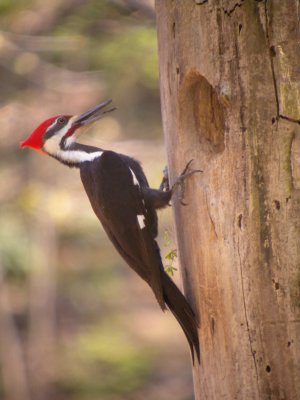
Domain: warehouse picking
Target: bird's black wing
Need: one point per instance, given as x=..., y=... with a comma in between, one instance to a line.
x=115, y=194
x=115, y=186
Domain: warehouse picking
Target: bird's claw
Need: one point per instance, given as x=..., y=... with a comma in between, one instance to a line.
x=180, y=181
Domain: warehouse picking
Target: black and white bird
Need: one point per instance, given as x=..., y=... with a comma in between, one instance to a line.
x=124, y=203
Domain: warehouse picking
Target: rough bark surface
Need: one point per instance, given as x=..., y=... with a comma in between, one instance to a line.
x=230, y=83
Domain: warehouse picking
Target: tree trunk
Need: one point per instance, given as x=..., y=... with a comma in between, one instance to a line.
x=230, y=82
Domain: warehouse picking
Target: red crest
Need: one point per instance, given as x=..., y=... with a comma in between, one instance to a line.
x=35, y=140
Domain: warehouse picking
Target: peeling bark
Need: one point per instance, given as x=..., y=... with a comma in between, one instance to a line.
x=230, y=83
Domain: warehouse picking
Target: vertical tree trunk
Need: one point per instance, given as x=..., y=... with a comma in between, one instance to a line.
x=229, y=74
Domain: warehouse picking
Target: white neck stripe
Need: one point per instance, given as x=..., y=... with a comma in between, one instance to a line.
x=77, y=156
x=70, y=140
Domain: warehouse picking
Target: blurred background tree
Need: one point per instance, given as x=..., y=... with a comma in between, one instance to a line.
x=70, y=323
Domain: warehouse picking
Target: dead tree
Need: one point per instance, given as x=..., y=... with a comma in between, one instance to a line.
x=230, y=83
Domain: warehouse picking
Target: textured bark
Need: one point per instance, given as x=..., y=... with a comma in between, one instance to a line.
x=229, y=74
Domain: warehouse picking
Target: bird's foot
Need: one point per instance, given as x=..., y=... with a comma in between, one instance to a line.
x=180, y=181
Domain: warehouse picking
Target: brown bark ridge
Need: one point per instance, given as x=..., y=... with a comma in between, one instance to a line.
x=230, y=83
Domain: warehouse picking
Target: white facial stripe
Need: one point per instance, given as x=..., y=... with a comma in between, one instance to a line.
x=135, y=181
x=70, y=140
x=51, y=145
x=77, y=156
x=141, y=221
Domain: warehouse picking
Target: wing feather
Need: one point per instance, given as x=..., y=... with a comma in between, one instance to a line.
x=115, y=193
x=114, y=185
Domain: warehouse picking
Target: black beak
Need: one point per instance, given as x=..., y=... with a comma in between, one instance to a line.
x=93, y=114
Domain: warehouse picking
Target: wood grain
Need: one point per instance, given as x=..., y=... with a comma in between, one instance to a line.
x=229, y=78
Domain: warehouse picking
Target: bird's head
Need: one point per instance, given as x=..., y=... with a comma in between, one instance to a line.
x=57, y=134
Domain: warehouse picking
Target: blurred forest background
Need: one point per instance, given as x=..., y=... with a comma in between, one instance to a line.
x=75, y=321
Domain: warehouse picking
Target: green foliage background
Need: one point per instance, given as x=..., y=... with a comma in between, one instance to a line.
x=85, y=325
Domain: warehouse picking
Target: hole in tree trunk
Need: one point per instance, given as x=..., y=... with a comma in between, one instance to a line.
x=201, y=112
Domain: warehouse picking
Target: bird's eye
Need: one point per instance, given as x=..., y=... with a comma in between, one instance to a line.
x=61, y=120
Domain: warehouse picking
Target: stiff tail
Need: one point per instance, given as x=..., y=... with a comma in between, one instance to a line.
x=183, y=312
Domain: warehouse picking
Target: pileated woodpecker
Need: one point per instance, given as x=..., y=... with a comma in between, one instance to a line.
x=124, y=203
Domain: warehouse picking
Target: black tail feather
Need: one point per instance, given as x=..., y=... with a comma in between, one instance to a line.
x=183, y=312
